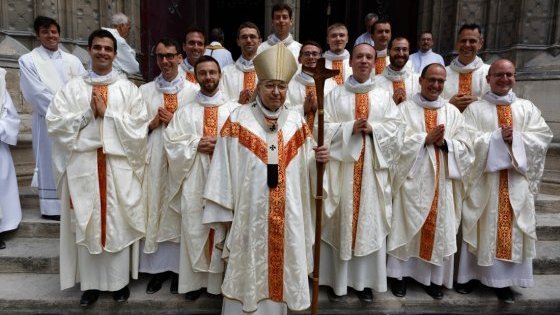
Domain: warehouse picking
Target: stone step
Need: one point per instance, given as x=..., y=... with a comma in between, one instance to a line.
x=32, y=225
x=41, y=255
x=28, y=293
x=548, y=226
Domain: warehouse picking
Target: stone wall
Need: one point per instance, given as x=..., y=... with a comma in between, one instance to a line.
x=524, y=31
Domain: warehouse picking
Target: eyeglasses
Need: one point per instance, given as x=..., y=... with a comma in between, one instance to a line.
x=311, y=54
x=166, y=56
x=498, y=75
x=271, y=86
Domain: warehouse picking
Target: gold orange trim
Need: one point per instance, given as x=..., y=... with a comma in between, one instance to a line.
x=465, y=83
x=249, y=81
x=339, y=78
x=361, y=111
x=428, y=231
x=399, y=85
x=380, y=64
x=246, y=139
x=310, y=117
x=103, y=90
x=190, y=77
x=297, y=140
x=505, y=210
x=170, y=102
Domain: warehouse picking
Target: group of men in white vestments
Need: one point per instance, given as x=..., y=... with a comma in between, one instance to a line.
x=206, y=175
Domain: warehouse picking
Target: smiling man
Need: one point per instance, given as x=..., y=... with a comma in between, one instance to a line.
x=259, y=184
x=282, y=22
x=401, y=82
x=98, y=125
x=166, y=94
x=43, y=72
x=364, y=130
x=239, y=80
x=466, y=75
x=425, y=221
x=337, y=57
x=499, y=228
x=126, y=59
x=194, y=48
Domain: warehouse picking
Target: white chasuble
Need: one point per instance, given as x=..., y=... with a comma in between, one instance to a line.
x=391, y=80
x=200, y=262
x=237, y=77
x=271, y=234
x=466, y=79
x=499, y=210
x=427, y=186
x=98, y=166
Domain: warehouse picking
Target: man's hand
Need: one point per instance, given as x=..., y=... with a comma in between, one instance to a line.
x=154, y=123
x=507, y=134
x=461, y=101
x=245, y=96
x=362, y=126
x=165, y=116
x=206, y=145
x=435, y=136
x=399, y=96
x=99, y=104
x=321, y=154
x=310, y=103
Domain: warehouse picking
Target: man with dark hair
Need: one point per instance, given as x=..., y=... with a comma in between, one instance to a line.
x=163, y=97
x=381, y=33
x=194, y=48
x=189, y=143
x=302, y=95
x=366, y=37
x=425, y=56
x=43, y=72
x=282, y=22
x=466, y=74
x=98, y=124
x=499, y=228
x=400, y=81
x=216, y=48
x=424, y=224
x=239, y=80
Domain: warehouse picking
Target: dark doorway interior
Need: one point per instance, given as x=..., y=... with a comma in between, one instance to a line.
x=228, y=14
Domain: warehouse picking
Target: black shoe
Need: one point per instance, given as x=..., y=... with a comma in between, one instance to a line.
x=2, y=244
x=121, y=295
x=434, y=291
x=155, y=283
x=50, y=217
x=193, y=295
x=366, y=295
x=333, y=297
x=89, y=297
x=174, y=289
x=505, y=295
x=398, y=288
x=465, y=288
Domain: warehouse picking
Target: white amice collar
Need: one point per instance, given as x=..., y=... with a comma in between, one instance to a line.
x=507, y=99
x=49, y=53
x=356, y=87
x=424, y=103
x=381, y=53
x=186, y=66
x=244, y=65
x=273, y=40
x=169, y=87
x=394, y=75
x=461, y=68
x=95, y=79
x=329, y=55
x=210, y=101
x=305, y=79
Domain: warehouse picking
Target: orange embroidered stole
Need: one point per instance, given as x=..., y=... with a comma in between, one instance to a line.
x=505, y=210
x=380, y=64
x=190, y=77
x=339, y=78
x=465, y=83
x=361, y=111
x=399, y=85
x=170, y=102
x=102, y=173
x=210, y=129
x=249, y=81
x=428, y=231
x=310, y=117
